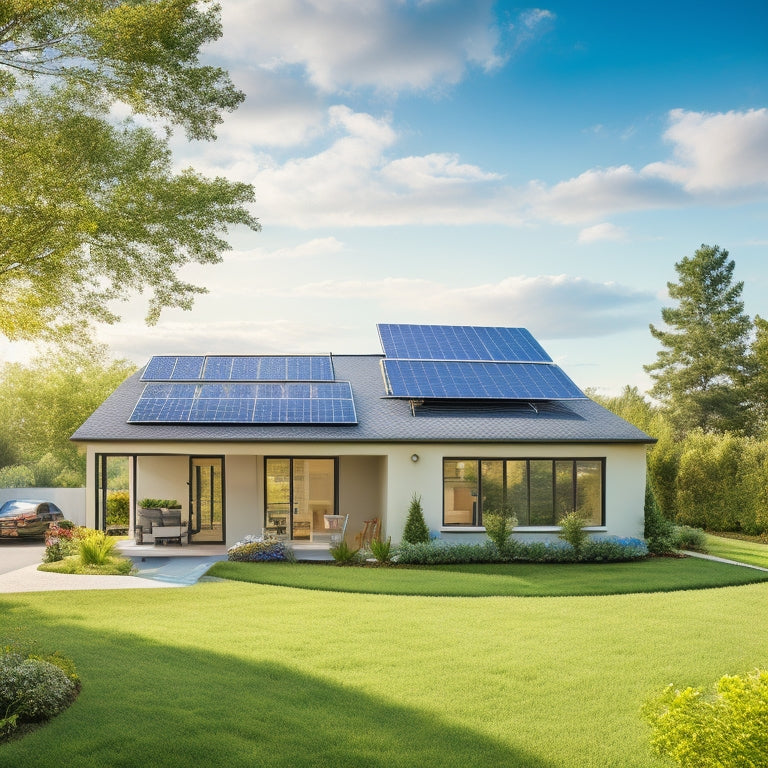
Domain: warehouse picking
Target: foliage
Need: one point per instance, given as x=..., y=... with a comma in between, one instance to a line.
x=33, y=687
x=685, y=537
x=573, y=530
x=657, y=530
x=60, y=542
x=343, y=554
x=112, y=566
x=270, y=550
x=757, y=375
x=699, y=373
x=437, y=553
x=381, y=550
x=159, y=504
x=96, y=548
x=17, y=476
x=499, y=524
x=603, y=549
x=43, y=402
x=92, y=211
x=416, y=530
x=726, y=728
x=118, y=508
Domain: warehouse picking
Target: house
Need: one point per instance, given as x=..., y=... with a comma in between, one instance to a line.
x=465, y=417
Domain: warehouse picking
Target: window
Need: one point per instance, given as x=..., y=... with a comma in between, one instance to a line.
x=539, y=492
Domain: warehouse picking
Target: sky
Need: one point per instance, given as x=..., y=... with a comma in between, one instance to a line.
x=478, y=163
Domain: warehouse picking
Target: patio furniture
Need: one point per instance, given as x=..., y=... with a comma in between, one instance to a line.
x=335, y=528
x=370, y=529
x=161, y=526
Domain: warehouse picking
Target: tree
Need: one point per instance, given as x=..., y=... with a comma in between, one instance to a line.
x=91, y=209
x=42, y=403
x=757, y=373
x=699, y=375
x=416, y=531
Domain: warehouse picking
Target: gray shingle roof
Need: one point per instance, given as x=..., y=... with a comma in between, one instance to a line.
x=379, y=419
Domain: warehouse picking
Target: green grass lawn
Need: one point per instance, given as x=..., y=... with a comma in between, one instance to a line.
x=662, y=574
x=237, y=674
x=744, y=551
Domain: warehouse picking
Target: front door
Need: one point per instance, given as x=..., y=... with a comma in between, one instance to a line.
x=206, y=502
x=300, y=492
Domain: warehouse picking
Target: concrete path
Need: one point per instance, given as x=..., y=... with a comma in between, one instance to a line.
x=703, y=556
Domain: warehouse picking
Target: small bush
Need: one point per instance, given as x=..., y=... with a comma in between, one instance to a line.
x=572, y=530
x=343, y=554
x=259, y=552
x=33, y=689
x=159, y=504
x=381, y=550
x=118, y=507
x=439, y=553
x=96, y=548
x=611, y=549
x=416, y=530
x=658, y=529
x=725, y=729
x=685, y=537
x=499, y=525
x=17, y=476
x=60, y=541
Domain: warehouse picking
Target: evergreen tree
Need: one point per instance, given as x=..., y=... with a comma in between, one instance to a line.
x=416, y=530
x=699, y=373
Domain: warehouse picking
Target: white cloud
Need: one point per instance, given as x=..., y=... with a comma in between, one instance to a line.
x=600, y=232
x=551, y=306
x=716, y=152
x=339, y=44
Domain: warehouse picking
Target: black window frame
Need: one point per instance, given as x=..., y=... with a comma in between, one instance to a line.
x=478, y=460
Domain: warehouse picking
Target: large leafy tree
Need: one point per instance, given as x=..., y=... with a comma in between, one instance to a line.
x=699, y=373
x=43, y=402
x=91, y=209
x=757, y=374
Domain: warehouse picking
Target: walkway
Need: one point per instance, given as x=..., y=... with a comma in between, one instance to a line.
x=702, y=556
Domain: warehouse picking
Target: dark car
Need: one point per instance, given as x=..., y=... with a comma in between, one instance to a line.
x=27, y=518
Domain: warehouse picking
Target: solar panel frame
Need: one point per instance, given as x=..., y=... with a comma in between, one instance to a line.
x=460, y=342
x=477, y=380
x=239, y=368
x=307, y=403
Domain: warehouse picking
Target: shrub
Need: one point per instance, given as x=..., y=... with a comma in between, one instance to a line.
x=258, y=552
x=658, y=530
x=96, y=548
x=381, y=550
x=60, y=541
x=33, y=689
x=499, y=524
x=17, y=476
x=159, y=504
x=416, y=530
x=439, y=553
x=572, y=530
x=343, y=554
x=724, y=729
x=118, y=506
x=613, y=549
x=685, y=537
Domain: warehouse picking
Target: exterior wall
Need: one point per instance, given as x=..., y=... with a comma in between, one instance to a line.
x=71, y=501
x=375, y=480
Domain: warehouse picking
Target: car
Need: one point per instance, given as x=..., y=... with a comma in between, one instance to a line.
x=27, y=518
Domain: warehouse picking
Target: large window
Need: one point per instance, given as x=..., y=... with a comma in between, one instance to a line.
x=539, y=492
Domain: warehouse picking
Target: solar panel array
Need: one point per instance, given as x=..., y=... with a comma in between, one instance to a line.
x=467, y=363
x=197, y=389
x=460, y=342
x=239, y=368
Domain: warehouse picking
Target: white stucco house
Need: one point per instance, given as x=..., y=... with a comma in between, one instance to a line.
x=465, y=417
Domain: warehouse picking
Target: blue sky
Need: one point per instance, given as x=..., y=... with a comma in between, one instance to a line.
x=479, y=163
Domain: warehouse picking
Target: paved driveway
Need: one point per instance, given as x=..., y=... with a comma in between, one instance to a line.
x=15, y=554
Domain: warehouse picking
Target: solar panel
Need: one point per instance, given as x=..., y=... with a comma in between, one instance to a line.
x=460, y=342
x=239, y=368
x=474, y=380
x=246, y=403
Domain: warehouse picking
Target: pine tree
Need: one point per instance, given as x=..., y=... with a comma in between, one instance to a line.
x=416, y=530
x=699, y=375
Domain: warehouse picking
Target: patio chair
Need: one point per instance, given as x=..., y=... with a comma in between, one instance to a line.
x=369, y=532
x=336, y=528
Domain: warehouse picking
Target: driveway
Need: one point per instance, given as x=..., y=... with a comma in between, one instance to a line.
x=16, y=553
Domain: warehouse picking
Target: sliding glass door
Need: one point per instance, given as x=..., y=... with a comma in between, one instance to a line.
x=207, y=500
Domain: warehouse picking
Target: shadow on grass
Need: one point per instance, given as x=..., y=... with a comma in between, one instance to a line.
x=148, y=704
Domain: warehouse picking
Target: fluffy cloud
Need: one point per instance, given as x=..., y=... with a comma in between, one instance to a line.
x=601, y=232
x=339, y=44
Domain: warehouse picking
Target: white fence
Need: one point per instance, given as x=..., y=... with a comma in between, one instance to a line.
x=71, y=501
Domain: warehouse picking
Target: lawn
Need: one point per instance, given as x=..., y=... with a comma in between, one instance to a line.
x=661, y=574
x=742, y=550
x=237, y=674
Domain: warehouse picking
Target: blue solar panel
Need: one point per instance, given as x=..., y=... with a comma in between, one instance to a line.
x=246, y=403
x=460, y=342
x=239, y=368
x=473, y=380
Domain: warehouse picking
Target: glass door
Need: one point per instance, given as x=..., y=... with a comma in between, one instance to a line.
x=206, y=502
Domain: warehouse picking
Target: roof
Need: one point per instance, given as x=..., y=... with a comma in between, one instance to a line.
x=380, y=419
